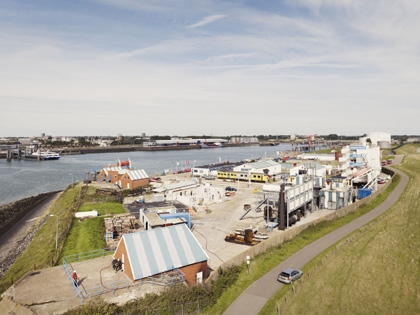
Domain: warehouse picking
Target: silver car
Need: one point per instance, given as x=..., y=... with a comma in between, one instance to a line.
x=289, y=275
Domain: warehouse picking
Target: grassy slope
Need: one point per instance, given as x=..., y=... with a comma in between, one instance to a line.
x=376, y=270
x=73, y=236
x=41, y=252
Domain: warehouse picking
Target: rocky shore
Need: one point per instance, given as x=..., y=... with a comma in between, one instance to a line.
x=18, y=226
x=11, y=213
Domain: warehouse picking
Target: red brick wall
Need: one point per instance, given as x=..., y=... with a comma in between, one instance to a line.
x=191, y=270
x=125, y=180
x=118, y=254
x=115, y=176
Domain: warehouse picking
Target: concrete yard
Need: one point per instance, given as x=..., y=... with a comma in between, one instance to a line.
x=50, y=291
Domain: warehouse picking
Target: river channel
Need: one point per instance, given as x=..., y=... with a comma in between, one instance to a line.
x=20, y=178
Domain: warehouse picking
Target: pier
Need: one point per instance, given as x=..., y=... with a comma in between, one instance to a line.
x=19, y=154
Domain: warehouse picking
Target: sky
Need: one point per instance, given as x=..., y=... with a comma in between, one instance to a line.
x=214, y=68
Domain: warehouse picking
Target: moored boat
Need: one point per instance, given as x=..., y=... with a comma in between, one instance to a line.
x=42, y=155
x=207, y=145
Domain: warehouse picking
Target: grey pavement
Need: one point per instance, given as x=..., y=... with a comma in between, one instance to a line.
x=253, y=299
x=51, y=291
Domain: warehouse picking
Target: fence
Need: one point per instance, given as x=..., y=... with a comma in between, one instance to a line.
x=165, y=279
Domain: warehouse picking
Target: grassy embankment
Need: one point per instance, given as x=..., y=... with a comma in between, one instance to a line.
x=74, y=236
x=376, y=270
x=271, y=258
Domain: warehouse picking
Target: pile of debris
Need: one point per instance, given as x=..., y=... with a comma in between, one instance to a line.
x=119, y=225
x=245, y=237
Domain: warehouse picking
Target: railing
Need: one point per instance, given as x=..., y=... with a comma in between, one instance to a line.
x=169, y=278
x=86, y=255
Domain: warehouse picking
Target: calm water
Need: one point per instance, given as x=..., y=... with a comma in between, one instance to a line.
x=21, y=179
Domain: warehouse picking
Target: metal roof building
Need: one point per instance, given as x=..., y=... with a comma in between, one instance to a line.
x=153, y=252
x=137, y=174
x=273, y=167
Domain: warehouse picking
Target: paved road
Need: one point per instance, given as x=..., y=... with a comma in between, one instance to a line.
x=13, y=243
x=253, y=299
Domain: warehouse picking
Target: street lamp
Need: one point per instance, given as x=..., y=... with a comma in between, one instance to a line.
x=72, y=181
x=56, y=231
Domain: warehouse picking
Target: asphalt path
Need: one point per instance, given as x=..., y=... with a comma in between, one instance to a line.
x=12, y=243
x=253, y=299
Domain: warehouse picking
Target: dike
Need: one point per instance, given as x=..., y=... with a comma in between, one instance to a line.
x=12, y=212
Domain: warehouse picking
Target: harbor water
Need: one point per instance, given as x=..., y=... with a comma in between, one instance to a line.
x=20, y=178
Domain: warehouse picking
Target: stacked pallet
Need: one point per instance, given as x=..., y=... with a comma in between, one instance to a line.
x=119, y=225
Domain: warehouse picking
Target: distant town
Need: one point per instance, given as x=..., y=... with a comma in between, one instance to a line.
x=50, y=141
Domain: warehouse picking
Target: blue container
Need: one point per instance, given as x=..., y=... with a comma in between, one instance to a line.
x=363, y=193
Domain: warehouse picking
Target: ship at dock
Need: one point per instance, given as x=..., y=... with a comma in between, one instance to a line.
x=42, y=155
x=209, y=145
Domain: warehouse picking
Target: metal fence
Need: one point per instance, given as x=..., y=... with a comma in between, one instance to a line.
x=169, y=278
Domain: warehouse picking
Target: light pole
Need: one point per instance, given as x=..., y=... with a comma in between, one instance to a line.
x=56, y=231
x=72, y=181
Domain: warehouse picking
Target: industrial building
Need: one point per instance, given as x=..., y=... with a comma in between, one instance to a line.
x=124, y=177
x=168, y=251
x=356, y=166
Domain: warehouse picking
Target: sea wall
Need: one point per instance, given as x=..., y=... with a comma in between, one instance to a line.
x=12, y=212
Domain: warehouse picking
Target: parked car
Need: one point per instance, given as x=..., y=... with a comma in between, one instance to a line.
x=381, y=181
x=210, y=177
x=289, y=275
x=230, y=188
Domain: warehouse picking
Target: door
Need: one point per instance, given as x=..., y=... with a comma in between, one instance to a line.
x=199, y=277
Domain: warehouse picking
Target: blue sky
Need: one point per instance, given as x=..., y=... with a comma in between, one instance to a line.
x=108, y=67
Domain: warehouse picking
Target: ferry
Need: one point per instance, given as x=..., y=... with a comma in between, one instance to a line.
x=43, y=155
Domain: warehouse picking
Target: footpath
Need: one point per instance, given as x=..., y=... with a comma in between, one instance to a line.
x=253, y=299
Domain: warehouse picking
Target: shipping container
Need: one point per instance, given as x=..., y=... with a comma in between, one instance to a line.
x=363, y=193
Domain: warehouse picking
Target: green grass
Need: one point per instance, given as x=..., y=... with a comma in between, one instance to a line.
x=89, y=234
x=264, y=262
x=103, y=208
x=85, y=236
x=357, y=275
x=74, y=237
x=41, y=252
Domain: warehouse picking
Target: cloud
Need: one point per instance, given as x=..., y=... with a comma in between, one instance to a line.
x=207, y=20
x=316, y=61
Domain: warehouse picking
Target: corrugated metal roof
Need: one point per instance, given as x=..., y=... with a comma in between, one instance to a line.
x=162, y=249
x=182, y=185
x=115, y=168
x=263, y=164
x=137, y=174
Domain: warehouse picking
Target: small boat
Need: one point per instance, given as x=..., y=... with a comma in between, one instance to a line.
x=208, y=145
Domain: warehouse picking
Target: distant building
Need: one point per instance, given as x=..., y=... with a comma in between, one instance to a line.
x=126, y=178
x=267, y=167
x=381, y=139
